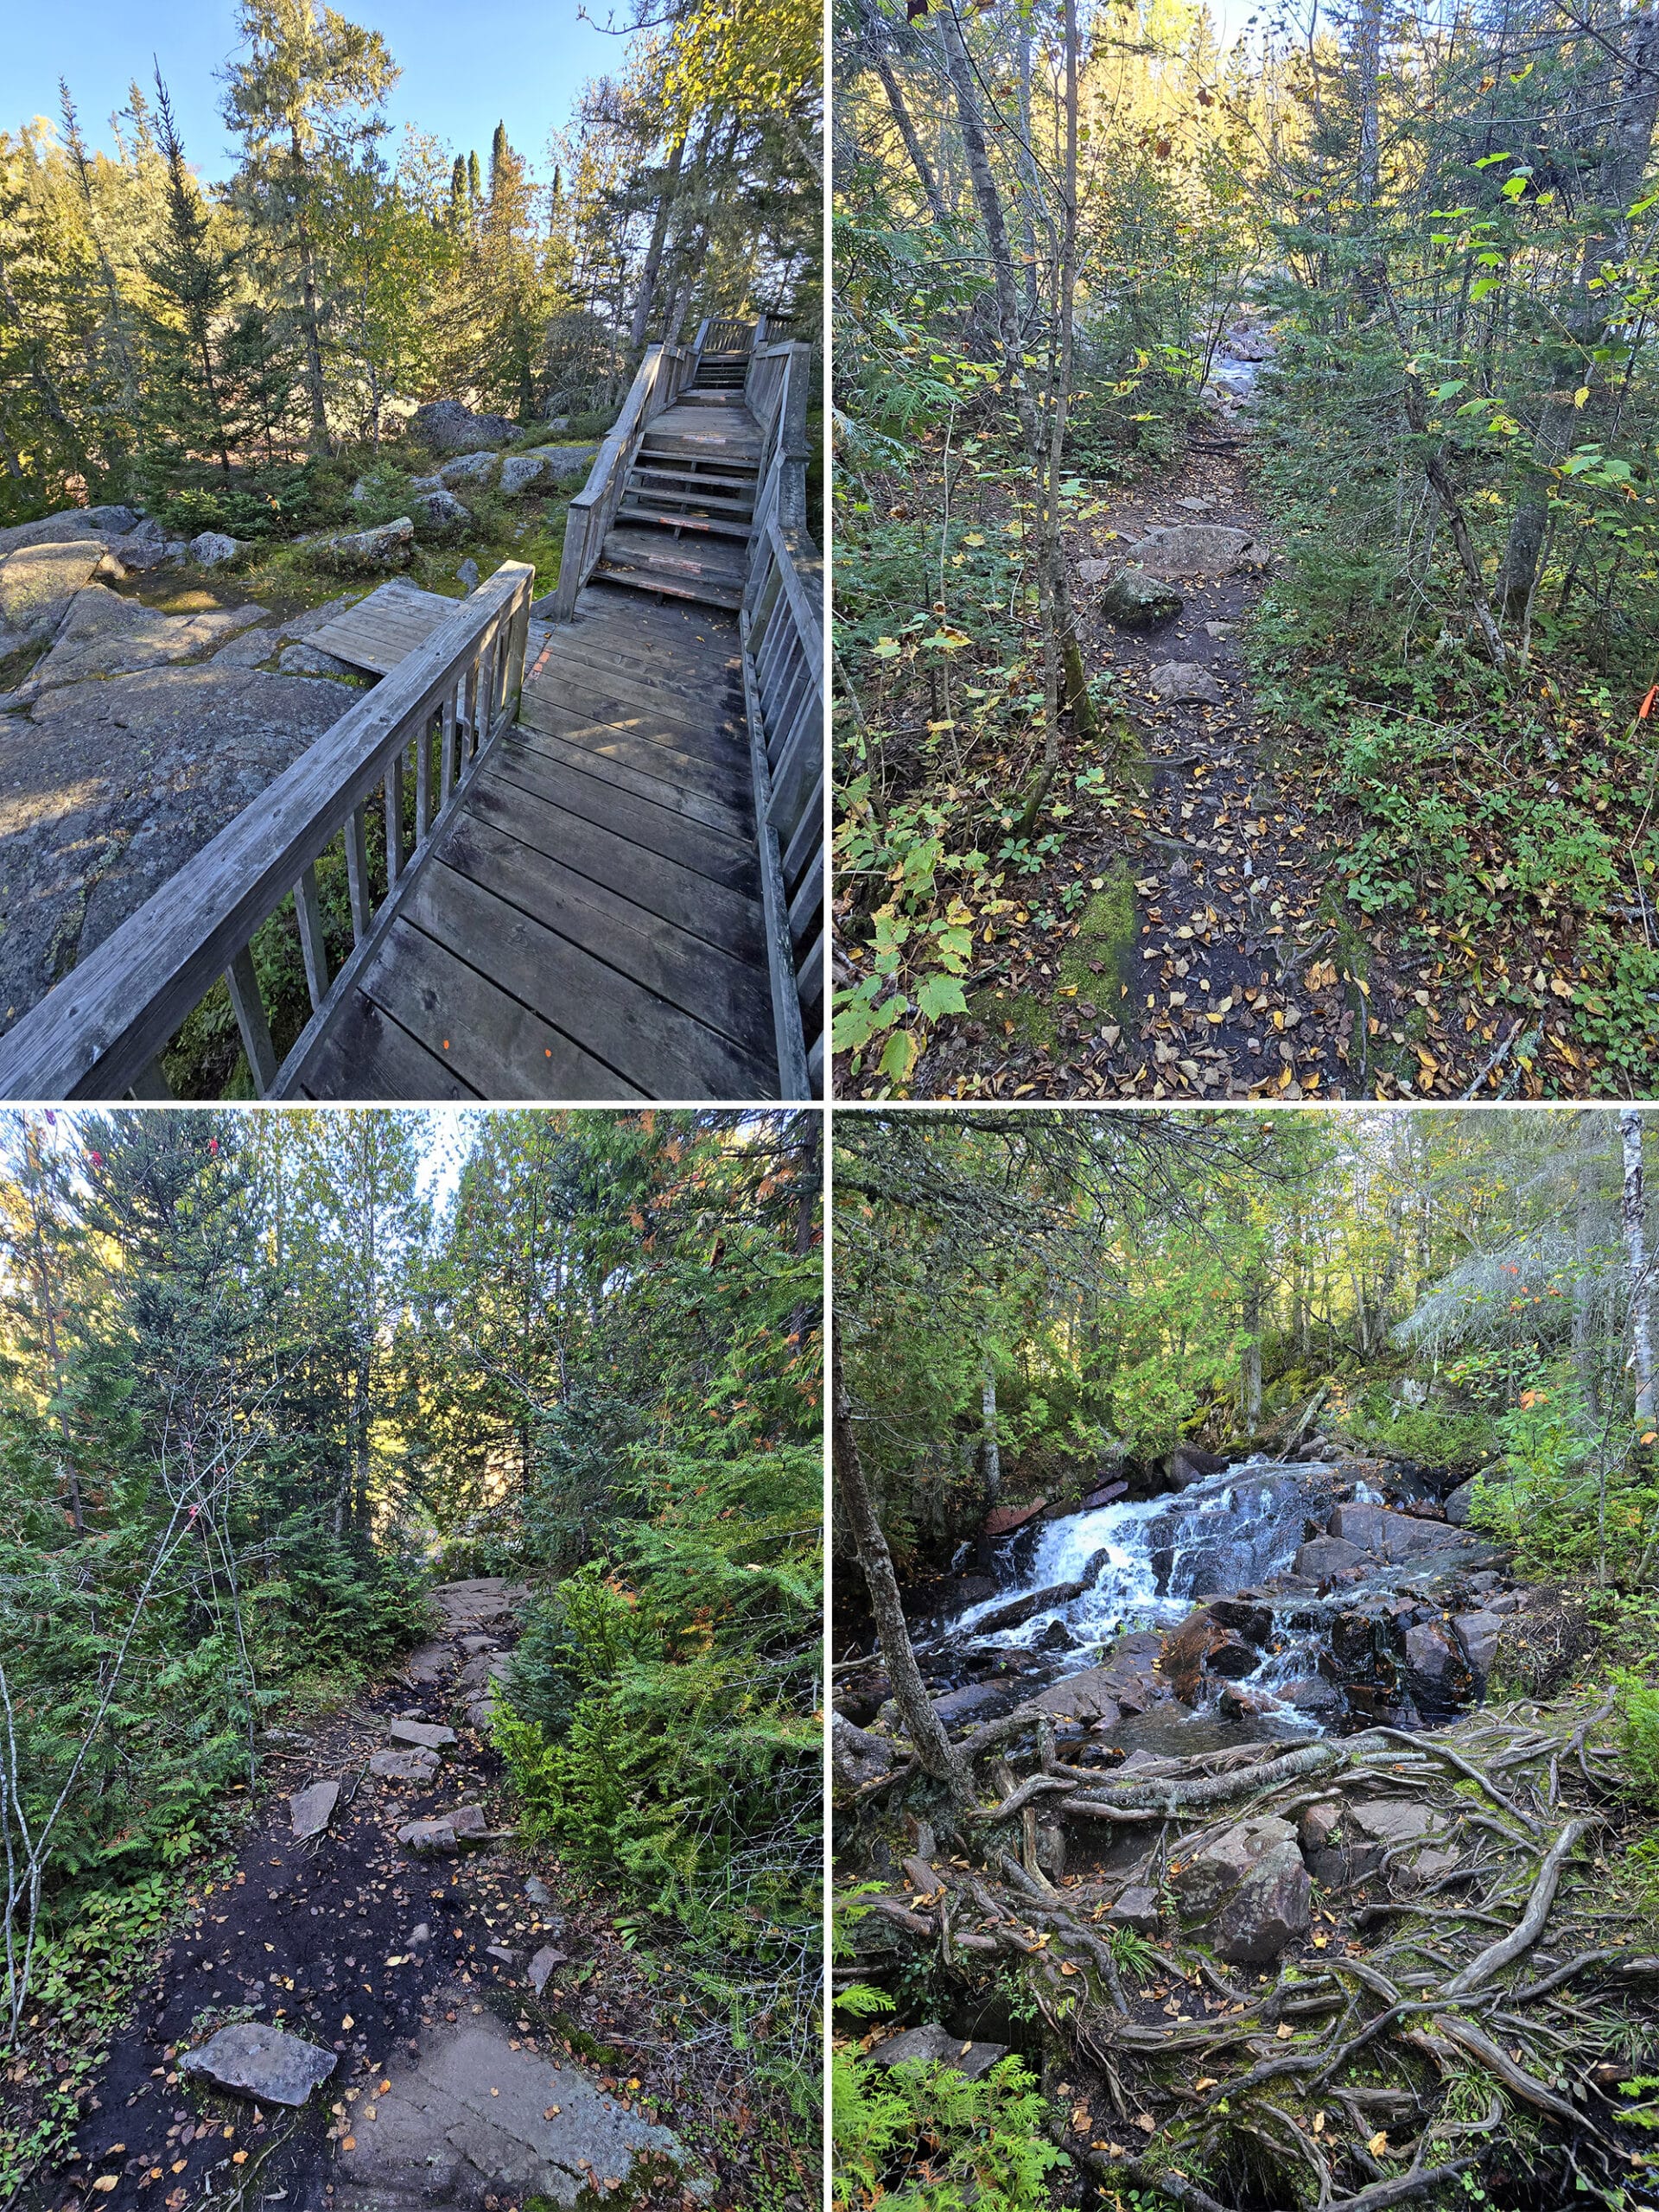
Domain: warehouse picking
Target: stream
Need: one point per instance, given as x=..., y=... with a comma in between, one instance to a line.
x=1267, y=1600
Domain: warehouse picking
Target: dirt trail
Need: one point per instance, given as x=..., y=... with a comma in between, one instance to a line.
x=1218, y=961
x=454, y=2083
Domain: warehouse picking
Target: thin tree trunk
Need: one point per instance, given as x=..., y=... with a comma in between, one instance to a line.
x=990, y=1451
x=1636, y=1256
x=901, y=116
x=921, y=1725
x=1584, y=1276
x=310, y=313
x=652, y=270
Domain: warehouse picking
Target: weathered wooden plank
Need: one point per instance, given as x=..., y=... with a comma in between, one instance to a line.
x=367, y=1056
x=104, y=1023
x=651, y=828
x=653, y=1045
x=705, y=909
x=724, y=992
x=499, y=1046
x=682, y=796
x=379, y=630
x=244, y=986
x=673, y=678
x=313, y=943
x=721, y=773
x=713, y=740
x=790, y=1043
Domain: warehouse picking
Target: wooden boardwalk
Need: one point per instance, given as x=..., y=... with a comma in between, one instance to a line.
x=589, y=925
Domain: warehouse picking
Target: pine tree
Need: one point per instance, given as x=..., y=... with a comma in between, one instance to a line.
x=195, y=278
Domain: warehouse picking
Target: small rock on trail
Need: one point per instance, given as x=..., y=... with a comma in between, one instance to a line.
x=428, y=1735
x=261, y=2062
x=311, y=1809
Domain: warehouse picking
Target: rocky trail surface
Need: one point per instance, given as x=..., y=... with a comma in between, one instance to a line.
x=1291, y=1902
x=1217, y=959
x=381, y=2009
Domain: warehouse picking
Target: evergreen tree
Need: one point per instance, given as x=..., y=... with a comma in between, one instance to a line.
x=195, y=279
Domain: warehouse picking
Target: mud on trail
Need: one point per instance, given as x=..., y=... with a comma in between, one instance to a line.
x=455, y=2083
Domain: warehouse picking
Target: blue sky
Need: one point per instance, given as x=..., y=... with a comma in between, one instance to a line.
x=466, y=64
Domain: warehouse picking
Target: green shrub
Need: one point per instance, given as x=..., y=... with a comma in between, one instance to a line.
x=917, y=2138
x=1638, y=1715
x=1432, y=1436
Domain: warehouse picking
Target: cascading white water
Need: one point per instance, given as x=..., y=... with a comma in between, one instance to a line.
x=1164, y=1555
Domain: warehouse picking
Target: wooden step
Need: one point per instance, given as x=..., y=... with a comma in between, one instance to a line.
x=708, y=594
x=710, y=525
x=699, y=502
x=665, y=476
x=703, y=445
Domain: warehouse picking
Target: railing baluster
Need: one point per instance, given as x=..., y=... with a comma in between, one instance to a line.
x=308, y=907
x=393, y=785
x=357, y=873
x=446, y=738
x=469, y=721
x=423, y=780
x=244, y=987
x=152, y=1082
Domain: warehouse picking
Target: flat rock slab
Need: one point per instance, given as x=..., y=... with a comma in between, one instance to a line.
x=1181, y=680
x=446, y=1832
x=112, y=788
x=472, y=2116
x=404, y=1766
x=468, y=1606
x=1198, y=549
x=105, y=635
x=311, y=1809
x=426, y=1735
x=544, y=1963
x=936, y=2046
x=256, y=2061
x=430, y=1664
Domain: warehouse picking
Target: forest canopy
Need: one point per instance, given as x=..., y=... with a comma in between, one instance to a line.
x=156, y=326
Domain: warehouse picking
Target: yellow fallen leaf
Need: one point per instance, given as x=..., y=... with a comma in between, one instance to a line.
x=347, y=2021
x=1319, y=1942
x=348, y=2143
x=1284, y=2031
x=238, y=2158
x=1378, y=2144
x=1145, y=2119
x=1204, y=2081
x=105, y=2183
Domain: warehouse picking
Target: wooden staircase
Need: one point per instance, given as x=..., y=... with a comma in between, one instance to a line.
x=682, y=525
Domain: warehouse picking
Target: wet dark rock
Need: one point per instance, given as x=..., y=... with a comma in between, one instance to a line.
x=1478, y=1634
x=1188, y=1465
x=1103, y=1496
x=942, y=1594
x=1324, y=1557
x=935, y=2046
x=1458, y=1504
x=1437, y=1674
x=1388, y=1535
x=1308, y=1694
x=1137, y=1908
x=1057, y=1638
x=1020, y=1609
x=1093, y=1695
x=974, y=1701
x=1251, y=1620
x=1321, y=1826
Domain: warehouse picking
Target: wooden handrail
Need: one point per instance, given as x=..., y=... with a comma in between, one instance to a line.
x=662, y=376
x=101, y=1033
x=781, y=627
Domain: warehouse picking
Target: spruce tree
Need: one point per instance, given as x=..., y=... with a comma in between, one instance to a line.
x=195, y=277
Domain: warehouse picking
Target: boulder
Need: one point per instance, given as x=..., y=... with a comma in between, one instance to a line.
x=213, y=550
x=544, y=1963
x=1310, y=1693
x=448, y=426
x=470, y=468
x=1270, y=1907
x=1321, y=1827
x=446, y=1832
x=1324, y=1556
x=256, y=2061
x=1137, y=1908
x=520, y=470
x=1003, y=1520
x=1245, y=1617
x=311, y=1809
x=1177, y=681
x=38, y=586
x=466, y=576
x=935, y=2046
x=1136, y=599
x=1189, y=1463
x=1057, y=1638
x=426, y=483
x=1094, y=1696
x=472, y=1645
x=112, y=522
x=1389, y=1821
x=973, y=1700
x=1479, y=1633
x=1436, y=1672
x=439, y=514
x=142, y=549
x=356, y=551
x=1196, y=549
x=1103, y=1496
x=428, y=1665
x=426, y=1735
x=1216, y=1869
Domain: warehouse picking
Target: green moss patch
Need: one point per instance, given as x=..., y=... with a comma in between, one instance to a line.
x=1094, y=969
